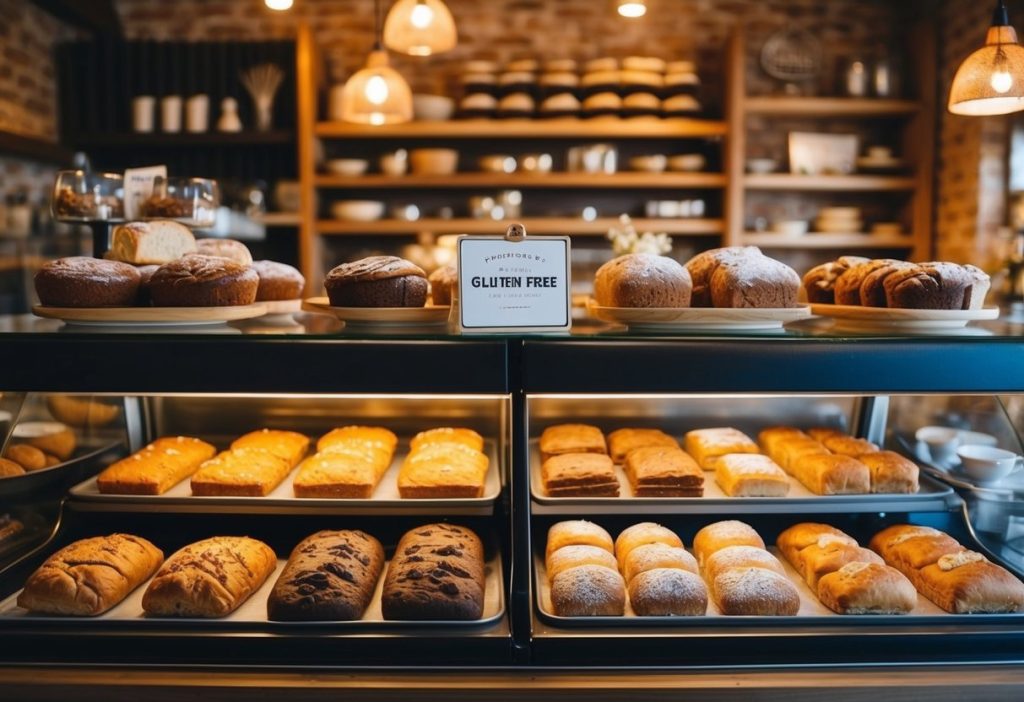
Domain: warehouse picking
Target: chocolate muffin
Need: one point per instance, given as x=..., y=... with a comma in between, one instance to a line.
x=377, y=281
x=278, y=281
x=81, y=281
x=203, y=281
x=441, y=283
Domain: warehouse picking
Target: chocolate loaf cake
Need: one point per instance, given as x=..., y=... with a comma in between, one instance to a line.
x=203, y=281
x=81, y=281
x=377, y=281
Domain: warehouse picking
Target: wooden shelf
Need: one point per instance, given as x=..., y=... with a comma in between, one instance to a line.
x=33, y=149
x=536, y=225
x=279, y=219
x=134, y=139
x=823, y=240
x=599, y=128
x=861, y=183
x=525, y=180
x=830, y=106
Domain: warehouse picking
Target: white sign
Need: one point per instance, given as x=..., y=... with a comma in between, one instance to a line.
x=514, y=284
x=138, y=186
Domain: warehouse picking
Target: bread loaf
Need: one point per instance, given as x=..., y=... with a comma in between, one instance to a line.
x=664, y=470
x=90, y=576
x=156, y=468
x=873, y=287
x=443, y=470
x=155, y=241
x=278, y=281
x=579, y=474
x=707, y=445
x=28, y=457
x=209, y=578
x=642, y=280
x=289, y=445
x=225, y=248
x=719, y=535
x=80, y=281
x=657, y=555
x=373, y=435
x=750, y=475
x=756, y=281
x=662, y=592
x=241, y=472
x=203, y=281
x=848, y=284
x=622, y=441
x=755, y=592
x=578, y=532
x=867, y=588
x=820, y=282
x=739, y=557
x=702, y=268
x=799, y=536
x=571, y=438
x=891, y=472
x=377, y=281
x=640, y=535
x=588, y=591
x=448, y=435
x=337, y=474
x=828, y=555
x=330, y=576
x=832, y=474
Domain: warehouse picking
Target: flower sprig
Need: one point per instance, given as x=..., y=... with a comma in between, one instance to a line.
x=626, y=240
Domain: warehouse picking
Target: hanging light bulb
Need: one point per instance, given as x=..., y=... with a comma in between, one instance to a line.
x=279, y=5
x=632, y=8
x=420, y=28
x=377, y=94
x=991, y=80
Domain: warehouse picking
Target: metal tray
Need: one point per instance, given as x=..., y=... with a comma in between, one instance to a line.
x=71, y=469
x=385, y=499
x=252, y=614
x=812, y=612
x=933, y=496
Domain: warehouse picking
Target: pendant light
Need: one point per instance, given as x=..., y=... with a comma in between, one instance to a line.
x=278, y=5
x=420, y=28
x=632, y=8
x=991, y=80
x=377, y=94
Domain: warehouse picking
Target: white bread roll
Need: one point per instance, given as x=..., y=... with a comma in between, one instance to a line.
x=157, y=241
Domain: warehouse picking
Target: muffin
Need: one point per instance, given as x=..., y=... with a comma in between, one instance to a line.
x=441, y=283
x=641, y=105
x=516, y=105
x=553, y=83
x=203, y=281
x=377, y=281
x=599, y=82
x=516, y=82
x=601, y=104
x=478, y=105
x=81, y=281
x=278, y=281
x=561, y=105
x=225, y=248
x=680, y=106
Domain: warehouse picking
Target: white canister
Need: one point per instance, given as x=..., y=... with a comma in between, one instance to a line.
x=143, y=113
x=170, y=113
x=197, y=113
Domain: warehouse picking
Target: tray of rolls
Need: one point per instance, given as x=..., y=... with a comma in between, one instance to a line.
x=438, y=575
x=813, y=574
x=352, y=467
x=721, y=467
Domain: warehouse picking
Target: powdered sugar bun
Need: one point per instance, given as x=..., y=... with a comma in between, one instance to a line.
x=643, y=533
x=573, y=556
x=650, y=556
x=588, y=591
x=668, y=592
x=739, y=557
x=578, y=532
x=755, y=592
x=721, y=534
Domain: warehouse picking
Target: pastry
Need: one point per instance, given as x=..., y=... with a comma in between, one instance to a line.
x=588, y=591
x=288, y=445
x=517, y=104
x=155, y=241
x=560, y=105
x=637, y=80
x=278, y=281
x=642, y=280
x=707, y=445
x=241, y=472
x=641, y=104
x=81, y=412
x=750, y=475
x=209, y=578
x=657, y=555
x=755, y=592
x=867, y=588
x=641, y=534
x=599, y=81
x=443, y=471
x=917, y=551
x=437, y=573
x=330, y=576
x=10, y=469
x=622, y=441
x=601, y=104
x=799, y=536
x=448, y=435
x=571, y=438
x=90, y=576
x=886, y=542
x=225, y=248
x=980, y=284
x=703, y=266
x=891, y=472
x=872, y=288
x=831, y=474
x=772, y=438
x=650, y=64
x=203, y=281
x=828, y=554
x=578, y=532
x=442, y=282
x=478, y=104
x=80, y=281
x=819, y=283
x=840, y=442
x=666, y=470
x=788, y=451
x=968, y=583
x=934, y=285
x=668, y=592
x=579, y=474
x=377, y=281
x=28, y=457
x=739, y=557
x=717, y=536
x=372, y=435
x=754, y=281
x=156, y=468
x=337, y=474
x=50, y=437
x=679, y=105
x=573, y=556
x=848, y=284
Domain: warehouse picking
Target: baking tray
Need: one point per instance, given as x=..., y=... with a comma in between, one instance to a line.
x=252, y=614
x=812, y=611
x=71, y=469
x=385, y=499
x=933, y=496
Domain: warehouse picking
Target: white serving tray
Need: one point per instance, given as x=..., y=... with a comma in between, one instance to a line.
x=881, y=319
x=698, y=318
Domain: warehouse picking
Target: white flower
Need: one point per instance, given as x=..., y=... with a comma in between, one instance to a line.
x=626, y=240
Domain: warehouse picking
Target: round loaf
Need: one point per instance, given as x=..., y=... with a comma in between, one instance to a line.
x=578, y=532
x=377, y=281
x=441, y=283
x=848, y=284
x=28, y=457
x=650, y=556
x=81, y=281
x=573, y=556
x=703, y=266
x=668, y=592
x=225, y=248
x=643, y=533
x=203, y=281
x=9, y=469
x=642, y=280
x=739, y=557
x=721, y=534
x=278, y=281
x=755, y=592
x=588, y=591
x=820, y=282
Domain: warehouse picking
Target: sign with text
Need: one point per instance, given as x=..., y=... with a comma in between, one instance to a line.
x=514, y=284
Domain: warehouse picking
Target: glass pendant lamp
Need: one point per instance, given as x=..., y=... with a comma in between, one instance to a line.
x=991, y=80
x=420, y=28
x=377, y=94
x=632, y=8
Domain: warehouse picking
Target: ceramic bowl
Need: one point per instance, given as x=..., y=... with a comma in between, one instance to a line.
x=432, y=108
x=434, y=161
x=988, y=464
x=351, y=167
x=357, y=210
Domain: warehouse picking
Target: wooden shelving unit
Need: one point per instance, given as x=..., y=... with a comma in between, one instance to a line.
x=824, y=240
x=598, y=128
x=534, y=225
x=184, y=139
x=847, y=183
x=784, y=105
x=525, y=180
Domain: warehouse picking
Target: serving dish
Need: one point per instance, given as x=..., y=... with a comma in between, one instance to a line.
x=698, y=318
x=883, y=319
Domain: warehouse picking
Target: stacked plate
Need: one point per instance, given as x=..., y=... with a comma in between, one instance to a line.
x=839, y=220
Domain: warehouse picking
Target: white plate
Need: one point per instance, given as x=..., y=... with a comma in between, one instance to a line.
x=698, y=318
x=431, y=315
x=875, y=319
x=282, y=306
x=154, y=316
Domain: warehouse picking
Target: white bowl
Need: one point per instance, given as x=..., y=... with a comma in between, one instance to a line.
x=791, y=227
x=434, y=161
x=941, y=441
x=358, y=210
x=432, y=108
x=762, y=165
x=347, y=166
x=988, y=464
x=687, y=163
x=652, y=163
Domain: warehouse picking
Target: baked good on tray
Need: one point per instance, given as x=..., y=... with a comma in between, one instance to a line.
x=442, y=281
x=81, y=281
x=571, y=438
x=155, y=241
x=28, y=457
x=933, y=285
x=891, y=472
x=832, y=474
x=360, y=434
x=741, y=276
x=52, y=438
x=668, y=592
x=739, y=557
x=9, y=468
x=448, y=435
x=588, y=591
x=622, y=441
x=289, y=445
x=819, y=283
x=203, y=281
x=718, y=535
x=330, y=576
x=839, y=442
x=156, y=468
x=750, y=475
x=377, y=281
x=580, y=474
x=707, y=445
x=241, y=472
x=437, y=573
x=642, y=280
x=580, y=554
x=209, y=578
x=663, y=471
x=90, y=576
x=225, y=248
x=339, y=472
x=443, y=471
x=657, y=555
x=575, y=532
x=642, y=534
x=278, y=281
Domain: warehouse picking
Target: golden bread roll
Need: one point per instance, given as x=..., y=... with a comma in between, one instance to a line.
x=573, y=556
x=378, y=435
x=755, y=592
x=571, y=438
x=53, y=438
x=739, y=557
x=662, y=592
x=81, y=412
x=588, y=591
x=156, y=468
x=889, y=538
x=289, y=445
x=721, y=534
x=799, y=536
x=448, y=435
x=750, y=475
x=830, y=554
x=622, y=441
x=707, y=445
x=578, y=532
x=770, y=438
x=891, y=472
x=867, y=588
x=28, y=457
x=967, y=583
x=336, y=474
x=241, y=472
x=832, y=474
x=657, y=555
x=9, y=469
x=640, y=534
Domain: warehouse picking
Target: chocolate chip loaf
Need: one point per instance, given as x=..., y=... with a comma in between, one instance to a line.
x=330, y=576
x=437, y=572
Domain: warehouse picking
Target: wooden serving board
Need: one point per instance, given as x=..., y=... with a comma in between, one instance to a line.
x=381, y=316
x=112, y=316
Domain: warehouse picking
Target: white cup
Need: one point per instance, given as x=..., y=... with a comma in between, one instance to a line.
x=170, y=113
x=143, y=113
x=988, y=464
x=941, y=441
x=197, y=113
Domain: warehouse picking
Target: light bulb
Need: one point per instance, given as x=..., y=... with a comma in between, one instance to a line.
x=376, y=90
x=279, y=5
x=377, y=118
x=1001, y=81
x=422, y=16
x=632, y=8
